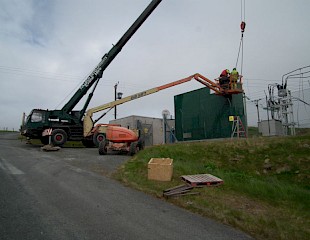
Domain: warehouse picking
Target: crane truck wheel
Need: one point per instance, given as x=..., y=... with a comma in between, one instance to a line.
x=97, y=138
x=59, y=137
x=103, y=147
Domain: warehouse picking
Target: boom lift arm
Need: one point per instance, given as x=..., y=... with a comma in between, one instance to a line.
x=88, y=122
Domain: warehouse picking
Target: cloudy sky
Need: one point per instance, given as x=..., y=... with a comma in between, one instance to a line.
x=48, y=48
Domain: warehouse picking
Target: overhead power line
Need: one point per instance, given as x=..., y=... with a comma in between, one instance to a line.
x=19, y=71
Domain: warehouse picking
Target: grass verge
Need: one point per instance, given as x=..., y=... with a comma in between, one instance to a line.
x=266, y=190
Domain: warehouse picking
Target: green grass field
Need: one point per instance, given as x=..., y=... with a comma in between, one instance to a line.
x=266, y=190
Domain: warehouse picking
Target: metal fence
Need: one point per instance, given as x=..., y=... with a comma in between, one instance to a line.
x=301, y=108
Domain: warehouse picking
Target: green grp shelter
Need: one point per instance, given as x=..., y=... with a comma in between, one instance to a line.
x=202, y=115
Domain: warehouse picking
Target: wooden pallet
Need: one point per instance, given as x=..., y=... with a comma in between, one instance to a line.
x=202, y=179
x=180, y=190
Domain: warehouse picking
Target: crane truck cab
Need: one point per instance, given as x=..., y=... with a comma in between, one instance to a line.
x=63, y=127
x=34, y=123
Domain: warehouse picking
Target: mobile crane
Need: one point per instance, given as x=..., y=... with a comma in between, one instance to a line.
x=112, y=137
x=66, y=123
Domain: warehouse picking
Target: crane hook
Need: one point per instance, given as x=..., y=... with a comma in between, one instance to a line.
x=242, y=26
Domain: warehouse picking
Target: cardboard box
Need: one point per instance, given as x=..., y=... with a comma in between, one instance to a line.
x=160, y=169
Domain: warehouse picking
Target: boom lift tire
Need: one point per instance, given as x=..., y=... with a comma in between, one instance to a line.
x=97, y=138
x=59, y=137
x=133, y=149
x=103, y=147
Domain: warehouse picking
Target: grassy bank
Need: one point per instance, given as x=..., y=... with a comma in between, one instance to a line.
x=266, y=190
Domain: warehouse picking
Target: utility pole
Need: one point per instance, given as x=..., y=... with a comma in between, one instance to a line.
x=256, y=104
x=115, y=93
x=267, y=105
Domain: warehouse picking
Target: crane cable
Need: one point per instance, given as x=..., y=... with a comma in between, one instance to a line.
x=242, y=27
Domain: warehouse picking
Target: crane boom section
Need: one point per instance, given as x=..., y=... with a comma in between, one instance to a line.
x=108, y=58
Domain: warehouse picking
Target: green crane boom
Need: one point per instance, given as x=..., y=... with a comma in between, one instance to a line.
x=107, y=59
